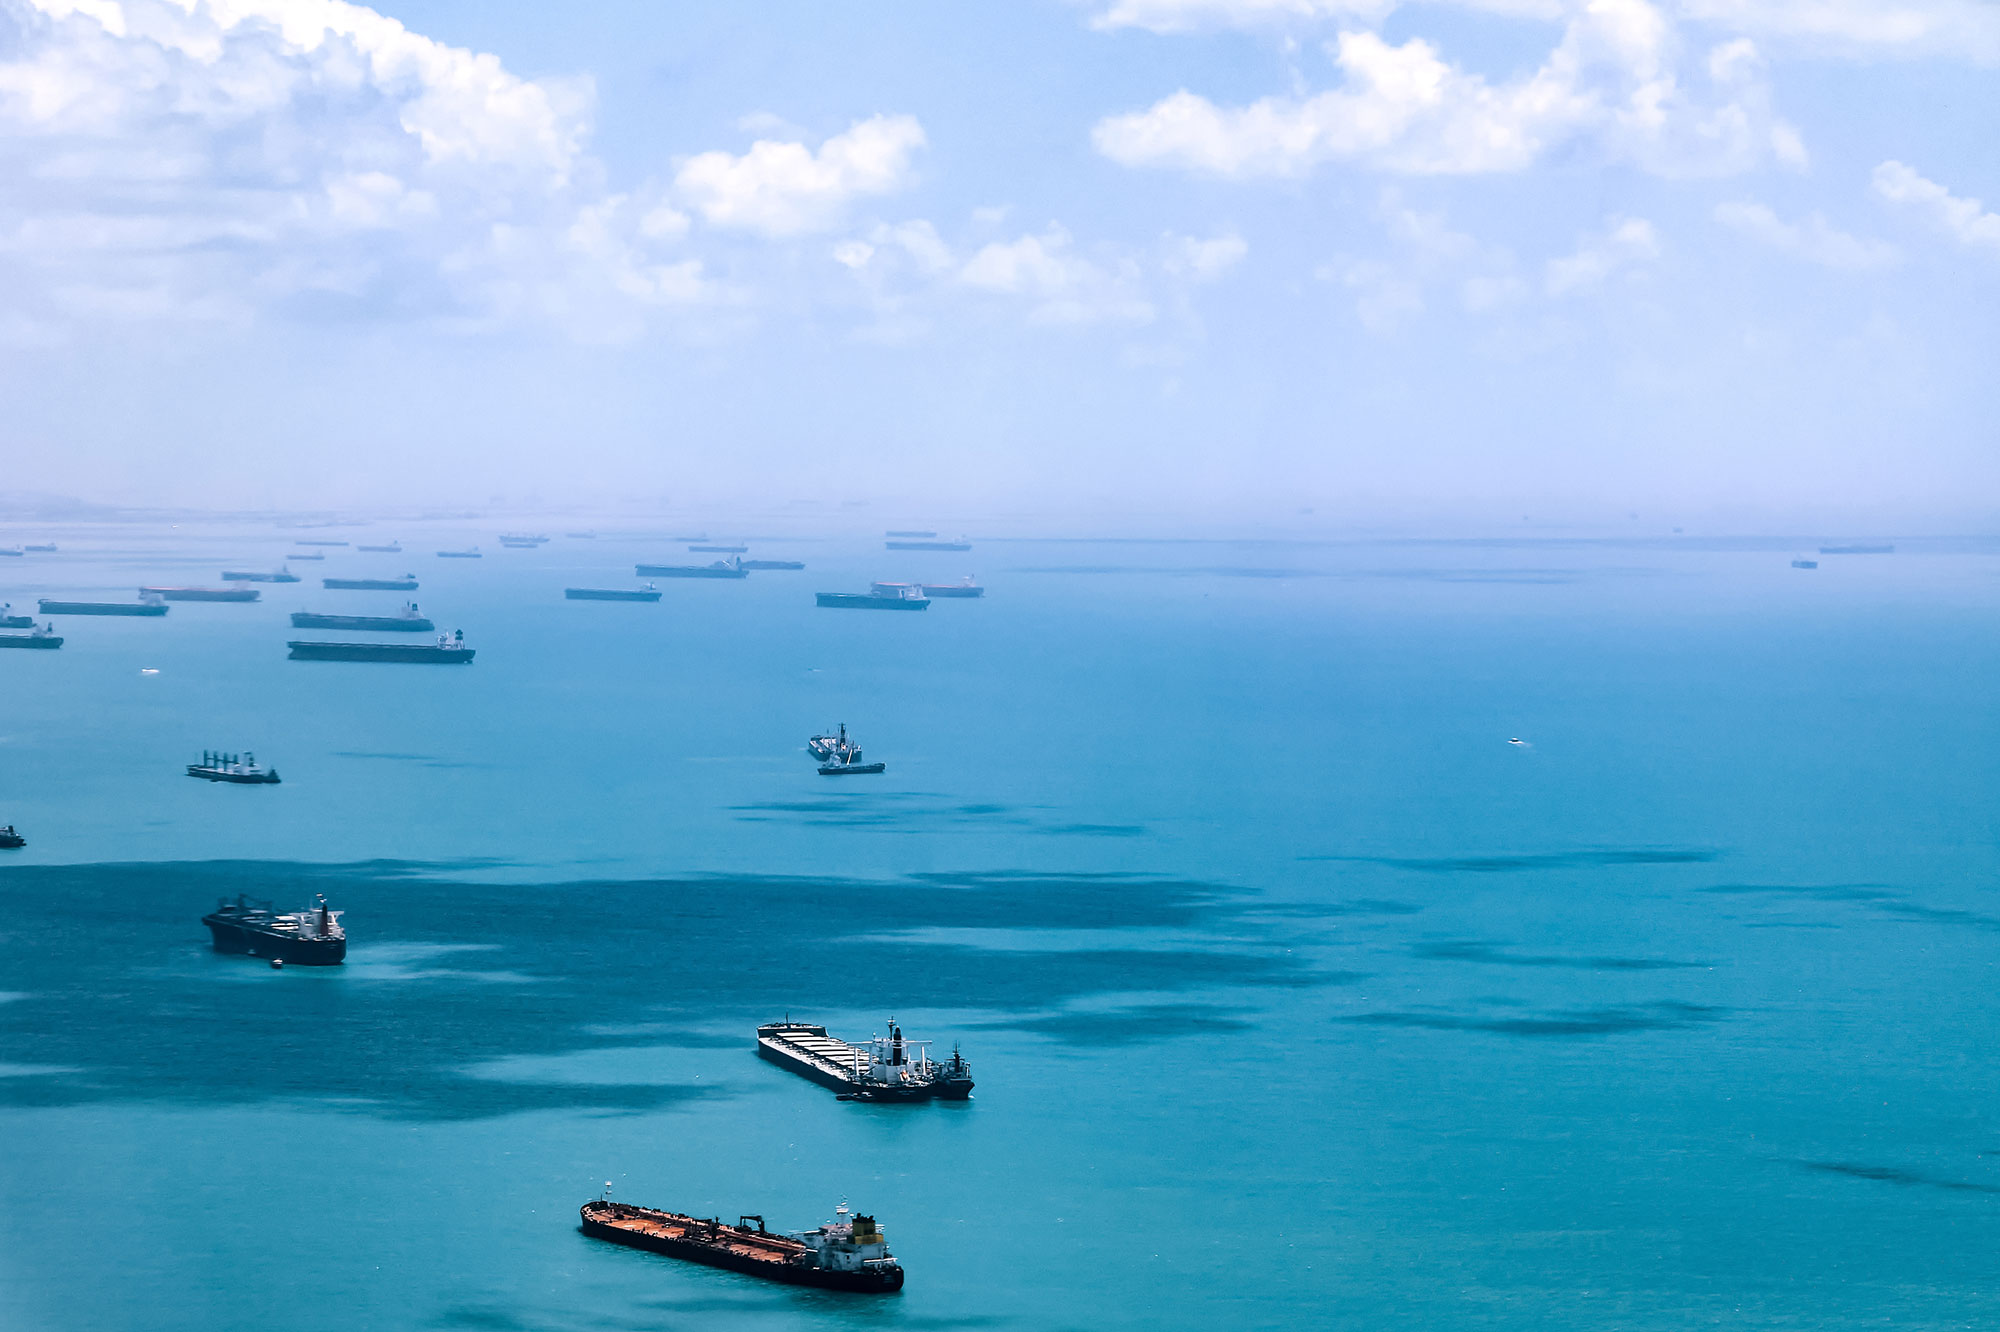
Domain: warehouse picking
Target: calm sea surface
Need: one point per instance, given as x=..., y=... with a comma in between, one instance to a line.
x=1296, y=995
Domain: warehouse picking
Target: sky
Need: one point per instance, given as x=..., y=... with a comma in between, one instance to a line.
x=1461, y=263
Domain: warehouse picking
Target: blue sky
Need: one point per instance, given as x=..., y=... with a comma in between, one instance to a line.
x=1729, y=263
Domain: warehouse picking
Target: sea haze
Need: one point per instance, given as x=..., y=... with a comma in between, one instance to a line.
x=1296, y=995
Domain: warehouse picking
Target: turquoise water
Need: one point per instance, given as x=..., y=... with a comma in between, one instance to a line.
x=1296, y=995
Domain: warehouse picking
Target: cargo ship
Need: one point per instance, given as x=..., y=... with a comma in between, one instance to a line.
x=143, y=606
x=898, y=598
x=45, y=638
x=523, y=542
x=202, y=593
x=966, y=587
x=886, y=1068
x=826, y=748
x=407, y=583
x=647, y=593
x=772, y=564
x=1857, y=550
x=720, y=569
x=472, y=554
x=310, y=938
x=9, y=620
x=14, y=551
x=848, y=1253
x=302, y=555
x=11, y=840
x=393, y=548
x=406, y=622
x=448, y=650
x=321, y=543
x=47, y=548
x=929, y=545
x=1805, y=564
x=240, y=769
x=244, y=576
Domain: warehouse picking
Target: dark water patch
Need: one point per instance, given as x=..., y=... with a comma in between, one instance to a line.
x=1470, y=951
x=124, y=1000
x=481, y=1318
x=1563, y=1024
x=1876, y=897
x=1524, y=864
x=1896, y=1175
x=1138, y=1025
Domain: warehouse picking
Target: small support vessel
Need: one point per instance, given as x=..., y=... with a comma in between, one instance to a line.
x=720, y=569
x=242, y=769
x=407, y=583
x=646, y=593
x=450, y=649
x=246, y=576
x=310, y=938
x=145, y=605
x=11, y=840
x=886, y=1068
x=202, y=593
x=848, y=1253
x=45, y=638
x=408, y=621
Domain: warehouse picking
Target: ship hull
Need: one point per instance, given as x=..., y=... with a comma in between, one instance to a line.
x=882, y=1282
x=774, y=564
x=407, y=652
x=954, y=591
x=100, y=608
x=387, y=624
x=33, y=642
x=369, y=584
x=382, y=550
x=17, y=622
x=607, y=594
x=687, y=571
x=234, y=778
x=204, y=593
x=230, y=937
x=862, y=601
x=852, y=769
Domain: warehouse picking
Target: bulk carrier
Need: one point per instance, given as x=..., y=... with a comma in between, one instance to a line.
x=408, y=621
x=887, y=1068
x=310, y=938
x=448, y=650
x=848, y=1253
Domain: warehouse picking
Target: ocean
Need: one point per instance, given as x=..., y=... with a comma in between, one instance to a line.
x=1297, y=995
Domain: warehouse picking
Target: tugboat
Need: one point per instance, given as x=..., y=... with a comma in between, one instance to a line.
x=409, y=621
x=146, y=605
x=882, y=596
x=310, y=938
x=11, y=840
x=245, y=576
x=44, y=637
x=886, y=1068
x=242, y=769
x=719, y=569
x=9, y=620
x=407, y=583
x=848, y=1253
x=449, y=649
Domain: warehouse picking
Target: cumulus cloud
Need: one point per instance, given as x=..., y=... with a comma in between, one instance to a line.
x=1061, y=285
x=1614, y=77
x=1965, y=220
x=1625, y=244
x=1814, y=239
x=1203, y=259
x=781, y=188
x=1424, y=253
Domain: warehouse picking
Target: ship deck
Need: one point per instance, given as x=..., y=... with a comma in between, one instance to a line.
x=750, y=1244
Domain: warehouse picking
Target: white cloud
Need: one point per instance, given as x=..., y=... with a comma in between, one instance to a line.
x=1966, y=220
x=1626, y=243
x=1195, y=15
x=1613, y=78
x=1392, y=289
x=1060, y=285
x=1814, y=239
x=786, y=189
x=1203, y=260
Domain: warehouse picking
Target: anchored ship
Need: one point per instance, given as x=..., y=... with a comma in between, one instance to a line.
x=311, y=938
x=522, y=542
x=960, y=544
x=1805, y=564
x=47, y=548
x=964, y=588
x=303, y=555
x=406, y=622
x=647, y=593
x=11, y=840
x=848, y=1253
x=886, y=1068
x=720, y=569
x=202, y=593
x=242, y=769
x=321, y=543
x=393, y=548
x=9, y=620
x=471, y=554
x=883, y=596
x=45, y=637
x=772, y=564
x=826, y=748
x=449, y=650
x=407, y=583
x=244, y=576
x=146, y=605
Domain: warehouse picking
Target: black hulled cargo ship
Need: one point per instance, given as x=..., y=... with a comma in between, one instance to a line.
x=146, y=605
x=409, y=621
x=448, y=650
x=11, y=840
x=883, y=596
x=647, y=593
x=46, y=638
x=250, y=928
x=886, y=1068
x=848, y=1253
x=9, y=620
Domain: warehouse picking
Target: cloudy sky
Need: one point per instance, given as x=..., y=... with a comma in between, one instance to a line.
x=1221, y=257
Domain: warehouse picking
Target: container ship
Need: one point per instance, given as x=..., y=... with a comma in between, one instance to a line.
x=310, y=938
x=848, y=1253
x=407, y=583
x=407, y=622
x=523, y=542
x=45, y=638
x=245, y=576
x=450, y=651
x=202, y=593
x=895, y=598
x=611, y=593
x=241, y=769
x=885, y=1068
x=145, y=606
x=720, y=569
